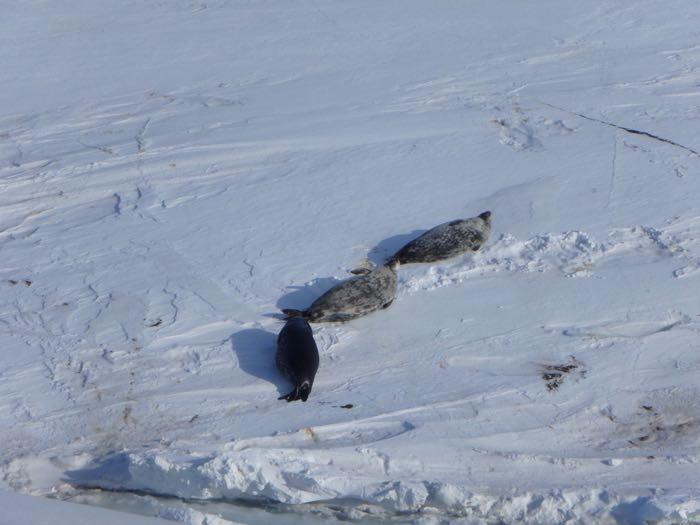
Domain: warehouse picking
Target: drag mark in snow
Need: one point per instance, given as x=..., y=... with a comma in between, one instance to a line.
x=251, y=267
x=140, y=143
x=628, y=329
x=117, y=204
x=103, y=149
x=173, y=298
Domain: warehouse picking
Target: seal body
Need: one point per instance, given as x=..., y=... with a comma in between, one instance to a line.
x=355, y=297
x=297, y=357
x=446, y=240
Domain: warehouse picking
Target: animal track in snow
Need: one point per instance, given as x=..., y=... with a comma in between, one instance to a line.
x=687, y=270
x=516, y=134
x=555, y=126
x=520, y=132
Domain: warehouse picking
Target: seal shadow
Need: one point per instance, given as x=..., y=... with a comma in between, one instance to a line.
x=301, y=297
x=255, y=350
x=380, y=253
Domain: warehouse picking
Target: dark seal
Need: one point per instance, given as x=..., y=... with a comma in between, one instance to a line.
x=355, y=297
x=297, y=357
x=446, y=240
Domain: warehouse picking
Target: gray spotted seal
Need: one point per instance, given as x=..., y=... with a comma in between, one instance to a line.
x=297, y=357
x=446, y=240
x=355, y=297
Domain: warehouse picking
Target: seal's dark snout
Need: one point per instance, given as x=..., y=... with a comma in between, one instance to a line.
x=485, y=216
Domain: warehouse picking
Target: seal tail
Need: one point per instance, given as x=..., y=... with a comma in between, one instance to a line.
x=291, y=312
x=299, y=393
x=292, y=396
x=304, y=391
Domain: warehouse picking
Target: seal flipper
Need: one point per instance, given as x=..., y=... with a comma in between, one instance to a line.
x=292, y=396
x=360, y=271
x=291, y=312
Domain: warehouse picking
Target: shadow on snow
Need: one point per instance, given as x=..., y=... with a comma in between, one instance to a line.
x=255, y=350
x=389, y=246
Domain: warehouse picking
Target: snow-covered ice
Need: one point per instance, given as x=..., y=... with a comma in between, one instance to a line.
x=17, y=508
x=174, y=173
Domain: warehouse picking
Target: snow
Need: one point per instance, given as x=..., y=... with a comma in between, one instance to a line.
x=18, y=510
x=174, y=173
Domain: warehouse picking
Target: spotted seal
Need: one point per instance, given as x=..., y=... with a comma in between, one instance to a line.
x=297, y=357
x=446, y=240
x=355, y=297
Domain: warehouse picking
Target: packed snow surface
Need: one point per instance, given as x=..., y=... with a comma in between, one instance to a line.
x=17, y=509
x=173, y=173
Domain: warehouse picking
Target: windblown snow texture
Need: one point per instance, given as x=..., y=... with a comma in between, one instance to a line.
x=172, y=174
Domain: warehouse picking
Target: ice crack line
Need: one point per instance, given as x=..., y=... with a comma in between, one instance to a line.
x=628, y=130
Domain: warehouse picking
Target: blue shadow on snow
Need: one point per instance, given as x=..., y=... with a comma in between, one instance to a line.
x=255, y=350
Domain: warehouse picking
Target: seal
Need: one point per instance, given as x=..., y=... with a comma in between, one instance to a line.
x=355, y=297
x=297, y=357
x=446, y=240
